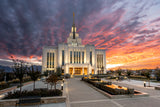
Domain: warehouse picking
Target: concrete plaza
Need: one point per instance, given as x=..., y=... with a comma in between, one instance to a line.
x=79, y=94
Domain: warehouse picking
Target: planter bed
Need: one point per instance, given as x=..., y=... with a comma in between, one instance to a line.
x=36, y=92
x=113, y=91
x=46, y=96
x=157, y=88
x=44, y=100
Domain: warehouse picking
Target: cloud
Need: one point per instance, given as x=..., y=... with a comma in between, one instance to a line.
x=125, y=29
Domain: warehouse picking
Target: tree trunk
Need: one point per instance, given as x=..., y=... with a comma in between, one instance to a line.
x=55, y=86
x=20, y=88
x=51, y=87
x=34, y=85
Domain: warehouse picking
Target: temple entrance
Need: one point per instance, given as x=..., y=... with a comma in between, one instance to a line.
x=77, y=71
x=92, y=71
x=85, y=71
x=71, y=71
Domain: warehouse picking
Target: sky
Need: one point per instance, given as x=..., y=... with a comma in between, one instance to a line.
x=127, y=29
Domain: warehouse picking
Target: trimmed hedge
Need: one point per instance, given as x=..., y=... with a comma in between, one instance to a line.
x=67, y=76
x=13, y=82
x=141, y=77
x=3, y=85
x=36, y=92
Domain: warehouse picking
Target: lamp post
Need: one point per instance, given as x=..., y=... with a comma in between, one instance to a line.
x=144, y=83
x=63, y=80
x=61, y=86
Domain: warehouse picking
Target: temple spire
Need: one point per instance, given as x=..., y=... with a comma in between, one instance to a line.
x=73, y=26
x=73, y=19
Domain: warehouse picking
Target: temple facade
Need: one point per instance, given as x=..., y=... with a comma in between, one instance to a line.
x=73, y=57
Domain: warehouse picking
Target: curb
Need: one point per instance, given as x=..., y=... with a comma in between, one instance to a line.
x=12, y=88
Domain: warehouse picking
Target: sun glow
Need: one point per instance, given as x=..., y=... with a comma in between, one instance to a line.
x=109, y=66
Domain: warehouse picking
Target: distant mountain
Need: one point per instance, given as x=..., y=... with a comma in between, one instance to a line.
x=9, y=69
x=6, y=68
x=39, y=67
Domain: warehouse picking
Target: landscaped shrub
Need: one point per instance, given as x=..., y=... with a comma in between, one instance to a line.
x=3, y=85
x=26, y=79
x=112, y=77
x=67, y=76
x=36, y=92
x=15, y=81
x=12, y=82
x=130, y=91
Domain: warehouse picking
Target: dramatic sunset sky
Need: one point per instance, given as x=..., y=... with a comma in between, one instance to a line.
x=127, y=29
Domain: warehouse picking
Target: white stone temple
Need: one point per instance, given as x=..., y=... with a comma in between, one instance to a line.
x=73, y=57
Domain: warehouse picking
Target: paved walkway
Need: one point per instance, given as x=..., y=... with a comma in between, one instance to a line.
x=140, y=83
x=79, y=94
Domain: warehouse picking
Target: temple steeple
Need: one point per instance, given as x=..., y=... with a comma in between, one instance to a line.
x=73, y=26
x=73, y=38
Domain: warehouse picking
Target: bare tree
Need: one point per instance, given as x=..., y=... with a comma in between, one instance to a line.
x=129, y=74
x=19, y=69
x=34, y=74
x=148, y=75
x=53, y=79
x=2, y=74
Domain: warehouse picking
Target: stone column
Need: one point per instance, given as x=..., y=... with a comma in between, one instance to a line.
x=82, y=70
x=88, y=70
x=72, y=56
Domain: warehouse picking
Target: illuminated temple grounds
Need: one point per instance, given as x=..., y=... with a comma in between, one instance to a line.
x=74, y=57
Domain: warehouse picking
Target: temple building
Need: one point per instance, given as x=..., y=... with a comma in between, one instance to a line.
x=73, y=57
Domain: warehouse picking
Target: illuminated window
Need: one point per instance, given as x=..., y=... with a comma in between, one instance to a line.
x=62, y=57
x=74, y=57
x=47, y=59
x=50, y=60
x=79, y=57
x=53, y=61
x=99, y=60
x=91, y=57
x=70, y=56
x=82, y=57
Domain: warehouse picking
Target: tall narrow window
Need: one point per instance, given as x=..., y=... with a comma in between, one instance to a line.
x=70, y=56
x=82, y=57
x=53, y=61
x=47, y=59
x=62, y=57
x=79, y=57
x=74, y=57
x=50, y=60
x=99, y=60
x=91, y=57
